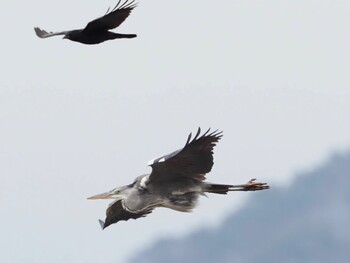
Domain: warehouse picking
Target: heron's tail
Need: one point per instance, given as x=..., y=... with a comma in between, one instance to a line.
x=217, y=188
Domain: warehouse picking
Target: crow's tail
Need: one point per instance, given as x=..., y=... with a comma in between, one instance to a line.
x=117, y=35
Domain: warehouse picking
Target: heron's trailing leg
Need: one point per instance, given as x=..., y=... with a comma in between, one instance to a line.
x=251, y=185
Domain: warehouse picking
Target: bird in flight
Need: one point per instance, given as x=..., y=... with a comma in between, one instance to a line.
x=176, y=182
x=97, y=31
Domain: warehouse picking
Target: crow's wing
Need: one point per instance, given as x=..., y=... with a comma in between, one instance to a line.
x=111, y=19
x=117, y=211
x=194, y=160
x=43, y=34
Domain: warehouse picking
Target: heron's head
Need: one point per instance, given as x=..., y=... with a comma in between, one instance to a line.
x=116, y=193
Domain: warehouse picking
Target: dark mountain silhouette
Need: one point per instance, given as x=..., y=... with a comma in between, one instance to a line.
x=308, y=222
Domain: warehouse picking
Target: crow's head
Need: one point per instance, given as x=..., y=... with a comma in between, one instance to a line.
x=72, y=35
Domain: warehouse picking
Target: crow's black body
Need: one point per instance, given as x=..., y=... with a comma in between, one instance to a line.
x=97, y=31
x=95, y=38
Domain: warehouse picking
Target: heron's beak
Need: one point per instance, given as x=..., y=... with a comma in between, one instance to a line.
x=107, y=195
x=65, y=37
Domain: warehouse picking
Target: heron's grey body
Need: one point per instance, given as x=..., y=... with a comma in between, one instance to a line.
x=176, y=182
x=180, y=195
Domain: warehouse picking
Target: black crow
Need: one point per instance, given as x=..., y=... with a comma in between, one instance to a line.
x=97, y=31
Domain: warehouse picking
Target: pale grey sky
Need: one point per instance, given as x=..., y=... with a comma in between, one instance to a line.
x=77, y=120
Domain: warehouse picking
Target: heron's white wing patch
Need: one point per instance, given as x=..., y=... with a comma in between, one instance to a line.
x=157, y=160
x=151, y=161
x=144, y=181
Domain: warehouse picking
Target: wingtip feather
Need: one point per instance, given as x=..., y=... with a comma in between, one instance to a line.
x=188, y=138
x=197, y=134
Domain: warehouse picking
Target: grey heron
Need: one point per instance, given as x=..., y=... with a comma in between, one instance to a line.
x=176, y=182
x=97, y=30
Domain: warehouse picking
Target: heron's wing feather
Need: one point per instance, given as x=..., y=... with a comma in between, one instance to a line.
x=44, y=34
x=194, y=160
x=111, y=19
x=117, y=211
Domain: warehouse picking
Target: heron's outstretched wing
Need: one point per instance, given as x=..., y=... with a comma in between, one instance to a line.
x=194, y=160
x=117, y=211
x=44, y=34
x=111, y=19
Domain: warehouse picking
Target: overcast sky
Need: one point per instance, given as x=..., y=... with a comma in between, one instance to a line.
x=78, y=120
